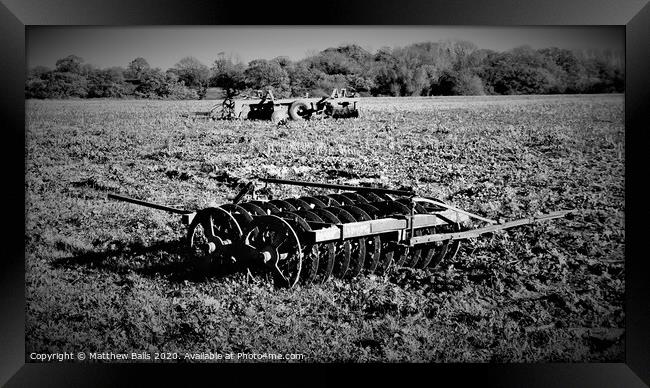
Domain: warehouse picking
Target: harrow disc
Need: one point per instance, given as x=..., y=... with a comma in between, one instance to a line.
x=242, y=215
x=358, y=247
x=395, y=254
x=267, y=207
x=342, y=199
x=372, y=251
x=342, y=249
x=299, y=204
x=374, y=197
x=415, y=253
x=317, y=203
x=387, y=257
x=282, y=205
x=279, y=248
x=419, y=209
x=355, y=197
x=211, y=230
x=372, y=211
x=429, y=251
x=401, y=254
x=374, y=245
x=326, y=251
x=253, y=209
x=389, y=208
x=448, y=250
x=327, y=200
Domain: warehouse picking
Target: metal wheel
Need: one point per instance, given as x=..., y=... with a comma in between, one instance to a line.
x=278, y=247
x=211, y=230
x=299, y=110
x=228, y=109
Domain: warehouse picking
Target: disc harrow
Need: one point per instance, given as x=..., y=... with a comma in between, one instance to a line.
x=311, y=239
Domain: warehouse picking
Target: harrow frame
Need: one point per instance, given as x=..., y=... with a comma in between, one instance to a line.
x=362, y=228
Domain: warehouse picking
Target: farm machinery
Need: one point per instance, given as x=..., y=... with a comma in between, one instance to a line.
x=337, y=105
x=309, y=239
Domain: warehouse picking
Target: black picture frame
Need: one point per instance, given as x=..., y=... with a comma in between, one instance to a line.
x=15, y=15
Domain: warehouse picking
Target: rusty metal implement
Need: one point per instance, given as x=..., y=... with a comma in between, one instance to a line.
x=312, y=238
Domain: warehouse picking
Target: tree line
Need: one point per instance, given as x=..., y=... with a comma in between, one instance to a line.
x=421, y=69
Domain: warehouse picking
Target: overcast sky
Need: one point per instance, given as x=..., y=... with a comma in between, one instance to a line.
x=164, y=46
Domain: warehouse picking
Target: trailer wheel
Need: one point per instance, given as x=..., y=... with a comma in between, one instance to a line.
x=299, y=110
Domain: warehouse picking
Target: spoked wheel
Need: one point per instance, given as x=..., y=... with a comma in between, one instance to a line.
x=228, y=109
x=212, y=230
x=278, y=247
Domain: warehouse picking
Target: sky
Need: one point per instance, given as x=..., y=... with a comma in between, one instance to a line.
x=164, y=46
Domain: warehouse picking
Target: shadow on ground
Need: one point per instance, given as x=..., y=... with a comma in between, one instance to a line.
x=168, y=259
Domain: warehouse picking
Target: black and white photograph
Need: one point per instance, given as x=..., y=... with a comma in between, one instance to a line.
x=325, y=194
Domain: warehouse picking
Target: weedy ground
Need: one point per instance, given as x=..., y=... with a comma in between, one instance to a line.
x=105, y=276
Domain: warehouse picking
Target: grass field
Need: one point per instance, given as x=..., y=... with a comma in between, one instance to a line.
x=103, y=276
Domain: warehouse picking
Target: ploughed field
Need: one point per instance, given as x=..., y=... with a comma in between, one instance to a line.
x=103, y=276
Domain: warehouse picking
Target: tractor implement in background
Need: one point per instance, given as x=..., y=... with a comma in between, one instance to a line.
x=337, y=105
x=313, y=238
